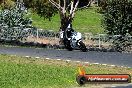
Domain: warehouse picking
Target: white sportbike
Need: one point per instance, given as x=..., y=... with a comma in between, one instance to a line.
x=73, y=40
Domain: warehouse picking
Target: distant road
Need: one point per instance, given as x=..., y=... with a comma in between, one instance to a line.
x=112, y=58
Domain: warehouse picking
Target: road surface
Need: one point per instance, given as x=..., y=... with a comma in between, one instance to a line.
x=111, y=58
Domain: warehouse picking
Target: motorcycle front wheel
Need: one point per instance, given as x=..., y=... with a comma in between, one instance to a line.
x=82, y=46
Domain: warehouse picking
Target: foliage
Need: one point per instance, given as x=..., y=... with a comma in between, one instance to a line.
x=83, y=3
x=118, y=19
x=6, y=4
x=45, y=9
x=42, y=7
x=48, y=9
x=102, y=6
x=13, y=22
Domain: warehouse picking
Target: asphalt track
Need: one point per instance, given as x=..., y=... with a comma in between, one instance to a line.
x=110, y=58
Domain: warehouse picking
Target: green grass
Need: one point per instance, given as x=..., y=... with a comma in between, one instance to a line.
x=21, y=72
x=86, y=20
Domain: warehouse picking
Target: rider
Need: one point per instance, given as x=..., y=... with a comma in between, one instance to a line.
x=69, y=31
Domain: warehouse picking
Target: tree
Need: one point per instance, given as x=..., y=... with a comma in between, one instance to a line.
x=118, y=17
x=118, y=21
x=66, y=10
x=6, y=4
x=84, y=3
x=48, y=8
x=102, y=5
x=66, y=15
x=42, y=7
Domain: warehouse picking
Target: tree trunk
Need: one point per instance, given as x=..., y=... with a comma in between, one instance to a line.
x=64, y=23
x=67, y=10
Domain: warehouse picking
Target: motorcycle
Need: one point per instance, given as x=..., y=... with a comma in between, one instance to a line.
x=73, y=40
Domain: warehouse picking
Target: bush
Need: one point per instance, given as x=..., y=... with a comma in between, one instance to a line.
x=118, y=17
x=118, y=20
x=13, y=22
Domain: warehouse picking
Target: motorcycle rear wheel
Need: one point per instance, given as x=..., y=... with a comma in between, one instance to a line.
x=82, y=47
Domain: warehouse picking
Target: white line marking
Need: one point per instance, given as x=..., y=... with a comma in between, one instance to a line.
x=77, y=61
x=113, y=86
x=37, y=57
x=95, y=63
x=104, y=64
x=86, y=62
x=112, y=65
x=58, y=59
x=68, y=60
x=27, y=56
x=47, y=58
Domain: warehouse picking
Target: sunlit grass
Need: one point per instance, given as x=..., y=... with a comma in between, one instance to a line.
x=22, y=72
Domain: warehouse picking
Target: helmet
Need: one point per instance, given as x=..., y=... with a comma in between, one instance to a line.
x=69, y=26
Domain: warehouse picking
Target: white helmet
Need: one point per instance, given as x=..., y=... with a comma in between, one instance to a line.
x=69, y=26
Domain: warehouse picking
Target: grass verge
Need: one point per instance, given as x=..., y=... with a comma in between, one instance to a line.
x=22, y=72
